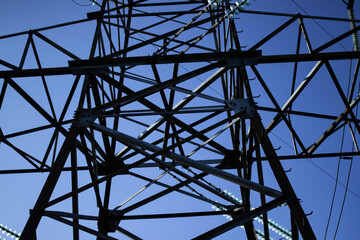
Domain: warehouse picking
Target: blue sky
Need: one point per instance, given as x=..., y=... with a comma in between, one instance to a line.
x=313, y=180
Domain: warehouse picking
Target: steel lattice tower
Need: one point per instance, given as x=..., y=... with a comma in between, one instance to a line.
x=167, y=112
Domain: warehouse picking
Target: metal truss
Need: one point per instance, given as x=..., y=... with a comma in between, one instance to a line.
x=166, y=97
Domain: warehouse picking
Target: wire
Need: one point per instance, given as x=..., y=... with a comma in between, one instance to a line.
x=336, y=183
x=338, y=166
x=343, y=203
x=83, y=5
x=318, y=24
x=340, y=183
x=349, y=173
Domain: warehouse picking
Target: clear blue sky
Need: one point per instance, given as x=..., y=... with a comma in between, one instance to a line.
x=313, y=180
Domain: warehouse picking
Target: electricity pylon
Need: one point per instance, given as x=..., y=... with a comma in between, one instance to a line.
x=166, y=95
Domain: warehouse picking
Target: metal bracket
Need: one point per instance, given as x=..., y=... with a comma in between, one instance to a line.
x=84, y=117
x=244, y=106
x=108, y=220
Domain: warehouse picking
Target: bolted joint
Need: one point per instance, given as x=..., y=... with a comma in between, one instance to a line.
x=108, y=220
x=230, y=160
x=245, y=107
x=110, y=166
x=84, y=117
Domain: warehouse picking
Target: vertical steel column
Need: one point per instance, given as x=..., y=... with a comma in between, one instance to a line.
x=29, y=231
x=75, y=200
x=284, y=183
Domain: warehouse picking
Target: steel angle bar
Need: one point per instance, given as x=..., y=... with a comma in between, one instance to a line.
x=148, y=14
x=335, y=40
x=342, y=94
x=178, y=106
x=35, y=52
x=177, y=190
x=92, y=170
x=231, y=58
x=192, y=136
x=273, y=100
x=160, y=37
x=123, y=170
x=138, y=31
x=214, y=136
x=187, y=139
x=172, y=167
x=293, y=97
x=3, y=91
x=36, y=72
x=354, y=80
x=175, y=215
x=333, y=126
x=55, y=45
x=305, y=114
x=318, y=155
x=161, y=193
x=23, y=154
x=26, y=49
x=127, y=233
x=97, y=182
x=353, y=138
x=276, y=31
x=283, y=181
x=37, y=107
x=177, y=121
x=71, y=215
x=308, y=57
x=33, y=103
x=164, y=112
x=74, y=186
x=187, y=161
x=95, y=144
x=302, y=16
x=16, y=72
x=350, y=4
x=173, y=18
x=146, y=3
x=150, y=90
x=81, y=227
x=261, y=181
x=152, y=82
x=306, y=36
x=355, y=35
x=210, y=161
x=46, y=192
x=44, y=28
x=153, y=181
x=242, y=218
x=9, y=65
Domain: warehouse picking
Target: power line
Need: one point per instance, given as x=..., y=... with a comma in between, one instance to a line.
x=350, y=167
x=336, y=183
x=340, y=183
x=338, y=166
x=83, y=5
x=318, y=24
x=343, y=203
